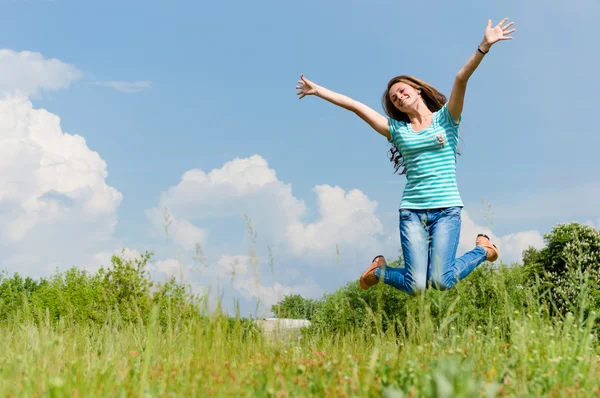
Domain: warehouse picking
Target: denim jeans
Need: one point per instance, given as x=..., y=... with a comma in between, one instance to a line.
x=429, y=241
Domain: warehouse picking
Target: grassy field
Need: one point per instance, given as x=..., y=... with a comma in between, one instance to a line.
x=217, y=356
x=507, y=331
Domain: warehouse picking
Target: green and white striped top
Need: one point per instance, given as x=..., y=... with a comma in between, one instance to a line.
x=430, y=166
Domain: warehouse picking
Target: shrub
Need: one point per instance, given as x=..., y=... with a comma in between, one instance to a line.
x=296, y=307
x=350, y=308
x=570, y=266
x=126, y=287
x=123, y=291
x=488, y=296
x=75, y=295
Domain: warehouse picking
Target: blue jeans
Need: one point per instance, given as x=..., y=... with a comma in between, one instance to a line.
x=429, y=241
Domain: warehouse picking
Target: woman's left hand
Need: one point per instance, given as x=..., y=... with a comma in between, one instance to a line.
x=497, y=33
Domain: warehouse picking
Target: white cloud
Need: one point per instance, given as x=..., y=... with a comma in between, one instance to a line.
x=227, y=267
x=234, y=277
x=306, y=249
x=249, y=186
x=245, y=277
x=242, y=186
x=55, y=205
x=345, y=219
x=30, y=74
x=182, y=232
x=233, y=266
x=275, y=292
x=183, y=274
x=172, y=267
x=187, y=235
x=126, y=87
x=511, y=246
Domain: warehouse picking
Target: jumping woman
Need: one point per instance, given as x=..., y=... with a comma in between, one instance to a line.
x=423, y=129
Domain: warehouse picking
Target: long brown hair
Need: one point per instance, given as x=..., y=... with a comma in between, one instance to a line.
x=434, y=100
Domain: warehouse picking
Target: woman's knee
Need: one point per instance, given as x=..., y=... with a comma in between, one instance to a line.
x=442, y=283
x=417, y=286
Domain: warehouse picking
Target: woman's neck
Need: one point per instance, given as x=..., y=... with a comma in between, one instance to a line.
x=420, y=115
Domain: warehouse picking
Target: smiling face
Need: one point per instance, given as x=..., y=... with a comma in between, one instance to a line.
x=406, y=94
x=403, y=96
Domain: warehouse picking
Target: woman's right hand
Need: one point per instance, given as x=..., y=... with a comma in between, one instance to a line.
x=305, y=87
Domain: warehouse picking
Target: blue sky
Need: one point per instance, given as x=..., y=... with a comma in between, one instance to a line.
x=158, y=89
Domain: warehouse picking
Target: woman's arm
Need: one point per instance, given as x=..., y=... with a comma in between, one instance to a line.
x=373, y=118
x=490, y=37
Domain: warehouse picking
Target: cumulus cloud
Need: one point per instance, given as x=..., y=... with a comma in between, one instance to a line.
x=56, y=210
x=181, y=231
x=227, y=267
x=30, y=73
x=55, y=204
x=244, y=274
x=234, y=277
x=242, y=186
x=126, y=87
x=187, y=235
x=233, y=266
x=173, y=267
x=511, y=246
x=250, y=187
x=271, y=294
x=347, y=220
x=344, y=218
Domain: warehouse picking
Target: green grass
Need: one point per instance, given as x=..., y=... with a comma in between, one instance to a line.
x=531, y=355
x=499, y=332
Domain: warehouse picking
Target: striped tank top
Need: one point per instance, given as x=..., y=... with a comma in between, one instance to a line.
x=430, y=166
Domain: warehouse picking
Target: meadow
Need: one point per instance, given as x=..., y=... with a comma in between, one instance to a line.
x=522, y=330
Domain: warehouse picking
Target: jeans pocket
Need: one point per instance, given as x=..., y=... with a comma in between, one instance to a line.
x=454, y=211
x=405, y=214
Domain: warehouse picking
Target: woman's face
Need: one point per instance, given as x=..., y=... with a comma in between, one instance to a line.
x=403, y=96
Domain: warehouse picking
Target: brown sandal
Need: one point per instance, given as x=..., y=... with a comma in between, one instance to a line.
x=368, y=278
x=491, y=249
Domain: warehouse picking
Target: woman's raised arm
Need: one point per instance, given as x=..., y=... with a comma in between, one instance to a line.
x=376, y=120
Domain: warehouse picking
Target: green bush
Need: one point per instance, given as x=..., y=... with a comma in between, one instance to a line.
x=570, y=267
x=122, y=291
x=487, y=297
x=75, y=295
x=350, y=308
x=296, y=307
x=126, y=287
x=564, y=276
x=488, y=290
x=15, y=292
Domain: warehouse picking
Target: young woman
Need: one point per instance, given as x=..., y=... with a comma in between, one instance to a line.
x=423, y=129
